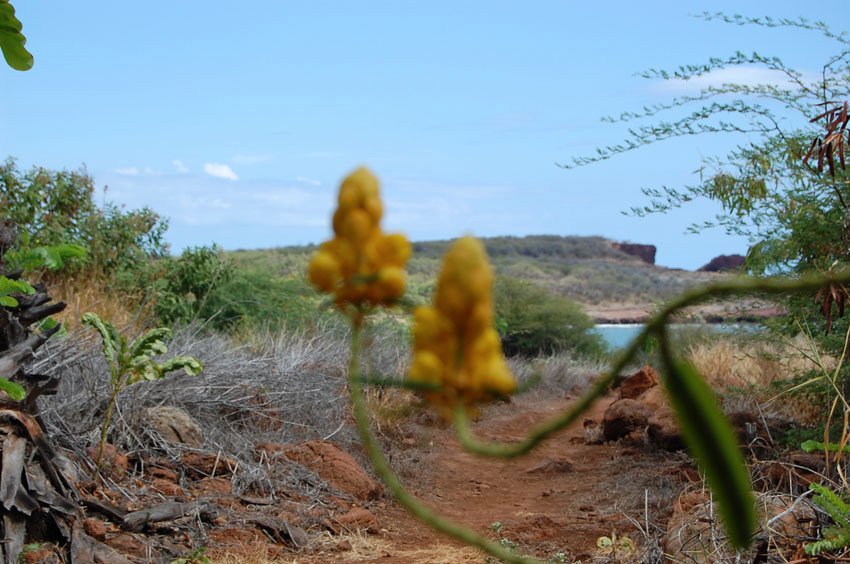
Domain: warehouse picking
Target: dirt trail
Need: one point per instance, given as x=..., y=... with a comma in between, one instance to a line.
x=560, y=498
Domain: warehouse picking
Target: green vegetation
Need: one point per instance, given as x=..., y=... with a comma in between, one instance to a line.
x=532, y=321
x=837, y=536
x=131, y=361
x=57, y=208
x=12, y=41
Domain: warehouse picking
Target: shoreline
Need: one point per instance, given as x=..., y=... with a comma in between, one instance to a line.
x=700, y=315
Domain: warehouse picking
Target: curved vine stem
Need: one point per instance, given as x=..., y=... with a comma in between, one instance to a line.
x=653, y=326
x=391, y=481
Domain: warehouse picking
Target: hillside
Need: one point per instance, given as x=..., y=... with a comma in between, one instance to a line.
x=611, y=285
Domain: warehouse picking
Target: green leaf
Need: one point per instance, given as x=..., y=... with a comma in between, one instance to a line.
x=52, y=258
x=108, y=335
x=8, y=301
x=712, y=442
x=190, y=365
x=15, y=391
x=49, y=323
x=12, y=40
x=151, y=343
x=8, y=286
x=812, y=446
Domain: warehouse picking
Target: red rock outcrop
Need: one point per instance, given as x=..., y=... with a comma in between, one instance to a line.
x=331, y=463
x=646, y=253
x=724, y=263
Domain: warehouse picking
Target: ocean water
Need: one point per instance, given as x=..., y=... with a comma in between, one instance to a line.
x=617, y=336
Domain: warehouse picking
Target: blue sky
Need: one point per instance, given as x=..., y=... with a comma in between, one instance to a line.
x=237, y=120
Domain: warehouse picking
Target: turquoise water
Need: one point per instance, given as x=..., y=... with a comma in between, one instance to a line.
x=618, y=336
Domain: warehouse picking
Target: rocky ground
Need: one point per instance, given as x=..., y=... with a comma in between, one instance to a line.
x=613, y=488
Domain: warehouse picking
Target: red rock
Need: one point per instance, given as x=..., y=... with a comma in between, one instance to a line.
x=236, y=536
x=639, y=382
x=358, y=519
x=220, y=486
x=112, y=461
x=203, y=464
x=336, y=467
x=162, y=473
x=44, y=554
x=127, y=543
x=167, y=488
x=622, y=417
x=654, y=398
x=95, y=528
x=663, y=430
x=646, y=253
x=724, y=263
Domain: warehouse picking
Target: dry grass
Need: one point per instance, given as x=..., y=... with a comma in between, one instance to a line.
x=350, y=547
x=755, y=369
x=741, y=363
x=83, y=295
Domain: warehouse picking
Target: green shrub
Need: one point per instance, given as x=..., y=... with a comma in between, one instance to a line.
x=261, y=299
x=532, y=321
x=53, y=208
x=206, y=286
x=184, y=291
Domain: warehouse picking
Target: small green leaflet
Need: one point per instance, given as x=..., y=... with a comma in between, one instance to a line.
x=712, y=442
x=49, y=323
x=8, y=287
x=812, y=446
x=15, y=391
x=52, y=258
x=191, y=366
x=108, y=334
x=12, y=40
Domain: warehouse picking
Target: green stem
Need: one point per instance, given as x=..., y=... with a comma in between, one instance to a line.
x=394, y=485
x=657, y=321
x=104, y=428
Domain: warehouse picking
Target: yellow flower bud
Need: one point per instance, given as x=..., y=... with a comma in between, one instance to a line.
x=459, y=331
x=391, y=281
x=360, y=265
x=395, y=249
x=426, y=368
x=372, y=205
x=357, y=226
x=324, y=271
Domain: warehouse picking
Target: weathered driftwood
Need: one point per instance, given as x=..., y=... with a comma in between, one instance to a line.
x=137, y=520
x=279, y=530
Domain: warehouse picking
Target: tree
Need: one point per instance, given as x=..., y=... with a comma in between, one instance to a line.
x=786, y=187
x=532, y=321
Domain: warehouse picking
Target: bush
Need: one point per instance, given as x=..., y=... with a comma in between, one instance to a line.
x=259, y=299
x=187, y=284
x=532, y=321
x=206, y=286
x=52, y=208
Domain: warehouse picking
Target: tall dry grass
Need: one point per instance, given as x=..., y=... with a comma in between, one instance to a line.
x=762, y=369
x=86, y=292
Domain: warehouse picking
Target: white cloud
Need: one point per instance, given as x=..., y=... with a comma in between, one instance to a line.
x=250, y=159
x=180, y=167
x=747, y=75
x=129, y=171
x=308, y=181
x=219, y=170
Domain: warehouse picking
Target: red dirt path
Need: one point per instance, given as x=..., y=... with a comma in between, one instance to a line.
x=560, y=498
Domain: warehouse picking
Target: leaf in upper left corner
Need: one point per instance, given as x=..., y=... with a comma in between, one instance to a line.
x=12, y=41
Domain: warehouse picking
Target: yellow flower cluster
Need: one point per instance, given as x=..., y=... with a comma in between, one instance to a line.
x=361, y=265
x=455, y=346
